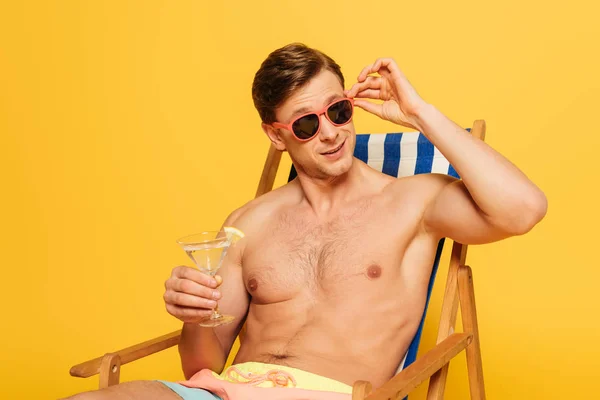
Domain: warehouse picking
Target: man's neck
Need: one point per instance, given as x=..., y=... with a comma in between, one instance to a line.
x=325, y=196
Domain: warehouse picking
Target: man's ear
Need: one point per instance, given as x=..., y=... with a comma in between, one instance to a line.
x=274, y=136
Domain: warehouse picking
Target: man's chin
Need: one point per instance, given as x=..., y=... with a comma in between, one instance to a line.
x=337, y=170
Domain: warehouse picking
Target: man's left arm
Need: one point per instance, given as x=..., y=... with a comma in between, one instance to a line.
x=494, y=199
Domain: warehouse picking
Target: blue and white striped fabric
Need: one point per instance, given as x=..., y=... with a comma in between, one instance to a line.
x=400, y=155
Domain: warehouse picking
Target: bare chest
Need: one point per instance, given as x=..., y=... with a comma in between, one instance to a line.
x=294, y=256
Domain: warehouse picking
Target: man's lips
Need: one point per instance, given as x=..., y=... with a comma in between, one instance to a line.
x=335, y=148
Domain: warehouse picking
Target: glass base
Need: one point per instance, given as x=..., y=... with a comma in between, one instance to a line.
x=218, y=321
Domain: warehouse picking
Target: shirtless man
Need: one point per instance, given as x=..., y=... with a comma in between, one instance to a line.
x=332, y=275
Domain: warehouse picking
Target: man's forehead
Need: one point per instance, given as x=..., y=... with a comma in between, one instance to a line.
x=318, y=92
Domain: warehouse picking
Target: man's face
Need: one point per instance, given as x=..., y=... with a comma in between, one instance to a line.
x=311, y=156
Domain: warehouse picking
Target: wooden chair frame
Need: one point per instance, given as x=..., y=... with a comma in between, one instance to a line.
x=433, y=364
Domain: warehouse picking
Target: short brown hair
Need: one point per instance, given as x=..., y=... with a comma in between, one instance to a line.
x=283, y=72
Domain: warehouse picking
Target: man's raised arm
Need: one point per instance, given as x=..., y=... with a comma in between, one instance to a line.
x=493, y=200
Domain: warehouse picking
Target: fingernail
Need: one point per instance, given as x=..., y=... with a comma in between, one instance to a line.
x=216, y=295
x=212, y=304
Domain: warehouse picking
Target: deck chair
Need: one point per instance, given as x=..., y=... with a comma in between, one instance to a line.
x=399, y=155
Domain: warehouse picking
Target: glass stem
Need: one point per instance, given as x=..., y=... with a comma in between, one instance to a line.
x=216, y=314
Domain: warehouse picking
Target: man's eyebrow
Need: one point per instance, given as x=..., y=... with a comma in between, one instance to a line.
x=304, y=110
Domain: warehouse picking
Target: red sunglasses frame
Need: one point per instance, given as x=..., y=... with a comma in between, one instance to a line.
x=320, y=112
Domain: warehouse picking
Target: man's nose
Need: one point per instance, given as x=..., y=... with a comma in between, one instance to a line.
x=328, y=130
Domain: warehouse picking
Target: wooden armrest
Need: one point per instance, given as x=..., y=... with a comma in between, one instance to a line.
x=409, y=378
x=361, y=389
x=129, y=354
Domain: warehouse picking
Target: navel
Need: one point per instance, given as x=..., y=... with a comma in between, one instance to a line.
x=374, y=271
x=252, y=284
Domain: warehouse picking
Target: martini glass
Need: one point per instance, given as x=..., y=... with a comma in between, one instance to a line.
x=207, y=250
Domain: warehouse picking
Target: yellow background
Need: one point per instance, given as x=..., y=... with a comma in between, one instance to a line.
x=126, y=124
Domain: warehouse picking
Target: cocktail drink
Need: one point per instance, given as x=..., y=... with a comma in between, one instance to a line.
x=208, y=250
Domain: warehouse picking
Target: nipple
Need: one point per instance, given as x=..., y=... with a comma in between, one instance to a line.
x=252, y=284
x=374, y=272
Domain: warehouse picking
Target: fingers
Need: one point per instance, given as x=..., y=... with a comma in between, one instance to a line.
x=190, y=287
x=378, y=66
x=373, y=108
x=192, y=274
x=179, y=299
x=191, y=295
x=185, y=282
x=187, y=314
x=369, y=94
x=365, y=71
x=371, y=82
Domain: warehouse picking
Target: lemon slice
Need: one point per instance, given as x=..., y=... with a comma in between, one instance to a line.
x=233, y=234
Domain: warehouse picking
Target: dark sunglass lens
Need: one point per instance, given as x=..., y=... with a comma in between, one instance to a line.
x=306, y=127
x=340, y=112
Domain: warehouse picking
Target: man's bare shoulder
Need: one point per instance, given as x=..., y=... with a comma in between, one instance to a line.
x=419, y=187
x=261, y=209
x=415, y=194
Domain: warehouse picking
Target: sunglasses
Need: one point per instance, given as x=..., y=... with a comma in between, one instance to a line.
x=307, y=126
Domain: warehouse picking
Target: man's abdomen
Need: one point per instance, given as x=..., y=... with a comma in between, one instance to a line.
x=344, y=342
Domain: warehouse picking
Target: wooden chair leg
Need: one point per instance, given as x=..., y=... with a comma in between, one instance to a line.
x=469, y=318
x=361, y=389
x=110, y=370
x=437, y=382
